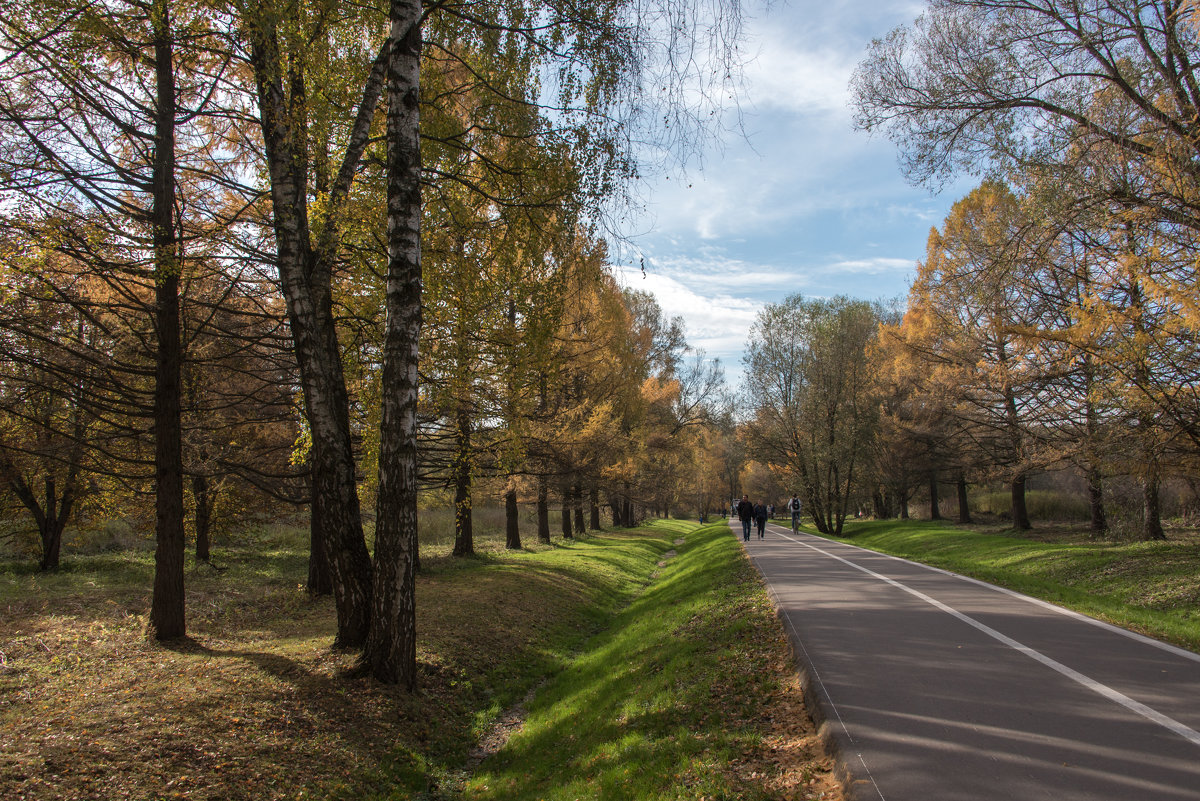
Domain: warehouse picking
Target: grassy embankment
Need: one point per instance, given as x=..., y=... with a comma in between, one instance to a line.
x=643, y=675
x=1150, y=587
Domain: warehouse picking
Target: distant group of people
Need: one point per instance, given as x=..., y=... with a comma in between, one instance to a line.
x=757, y=514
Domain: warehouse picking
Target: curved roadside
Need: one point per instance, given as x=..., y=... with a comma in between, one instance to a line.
x=1152, y=588
x=687, y=694
x=932, y=687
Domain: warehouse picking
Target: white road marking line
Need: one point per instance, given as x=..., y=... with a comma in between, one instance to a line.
x=1189, y=734
x=1069, y=613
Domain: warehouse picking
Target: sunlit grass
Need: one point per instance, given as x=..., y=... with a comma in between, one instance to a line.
x=668, y=702
x=256, y=705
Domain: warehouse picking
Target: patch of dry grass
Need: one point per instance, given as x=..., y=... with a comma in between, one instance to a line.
x=255, y=704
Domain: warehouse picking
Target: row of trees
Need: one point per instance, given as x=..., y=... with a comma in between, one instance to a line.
x=218, y=214
x=1053, y=321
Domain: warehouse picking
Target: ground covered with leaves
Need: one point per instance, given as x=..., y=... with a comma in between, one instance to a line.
x=255, y=704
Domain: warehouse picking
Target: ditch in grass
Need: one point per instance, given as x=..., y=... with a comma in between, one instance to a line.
x=690, y=694
x=256, y=706
x=1149, y=587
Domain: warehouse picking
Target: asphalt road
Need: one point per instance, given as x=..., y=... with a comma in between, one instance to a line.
x=935, y=686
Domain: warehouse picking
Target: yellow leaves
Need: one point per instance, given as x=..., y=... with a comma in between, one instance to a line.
x=656, y=390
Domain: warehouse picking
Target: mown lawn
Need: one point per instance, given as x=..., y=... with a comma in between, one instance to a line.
x=255, y=704
x=1150, y=587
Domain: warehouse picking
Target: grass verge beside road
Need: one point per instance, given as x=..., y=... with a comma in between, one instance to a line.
x=1149, y=587
x=690, y=694
x=683, y=664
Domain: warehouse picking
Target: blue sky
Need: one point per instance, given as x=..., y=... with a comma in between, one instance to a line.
x=804, y=204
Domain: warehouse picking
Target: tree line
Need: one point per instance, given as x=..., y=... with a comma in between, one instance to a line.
x=1052, y=323
x=337, y=254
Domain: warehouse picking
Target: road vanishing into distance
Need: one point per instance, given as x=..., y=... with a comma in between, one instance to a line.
x=935, y=686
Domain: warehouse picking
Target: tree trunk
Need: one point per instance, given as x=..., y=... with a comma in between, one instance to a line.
x=577, y=497
x=879, y=505
x=964, y=506
x=167, y=601
x=566, y=513
x=320, y=578
x=1151, y=510
x=1096, y=501
x=1092, y=433
x=464, y=535
x=1020, y=514
x=512, y=521
x=50, y=527
x=305, y=278
x=391, y=649
x=935, y=512
x=543, y=511
x=202, y=501
x=614, y=505
x=51, y=515
x=594, y=507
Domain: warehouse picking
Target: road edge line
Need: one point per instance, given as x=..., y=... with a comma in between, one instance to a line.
x=822, y=710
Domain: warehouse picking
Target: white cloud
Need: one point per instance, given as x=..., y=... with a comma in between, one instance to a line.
x=717, y=316
x=875, y=266
x=785, y=78
x=807, y=205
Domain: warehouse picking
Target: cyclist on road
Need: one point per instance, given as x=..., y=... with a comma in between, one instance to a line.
x=794, y=508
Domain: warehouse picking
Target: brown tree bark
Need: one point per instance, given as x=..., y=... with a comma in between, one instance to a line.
x=577, y=497
x=464, y=535
x=1020, y=512
x=1152, y=528
x=167, y=620
x=202, y=502
x=53, y=521
x=543, y=511
x=51, y=529
x=1099, y=523
x=512, y=521
x=567, y=532
x=964, y=506
x=935, y=511
x=320, y=578
x=879, y=504
x=52, y=512
x=594, y=507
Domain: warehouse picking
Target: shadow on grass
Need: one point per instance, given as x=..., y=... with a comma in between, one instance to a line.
x=657, y=706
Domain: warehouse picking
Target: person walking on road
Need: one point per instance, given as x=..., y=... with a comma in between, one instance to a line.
x=745, y=513
x=760, y=518
x=794, y=508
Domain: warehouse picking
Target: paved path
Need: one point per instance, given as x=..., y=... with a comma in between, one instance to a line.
x=936, y=686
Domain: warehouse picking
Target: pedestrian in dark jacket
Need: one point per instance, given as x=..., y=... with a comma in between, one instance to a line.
x=745, y=513
x=760, y=518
